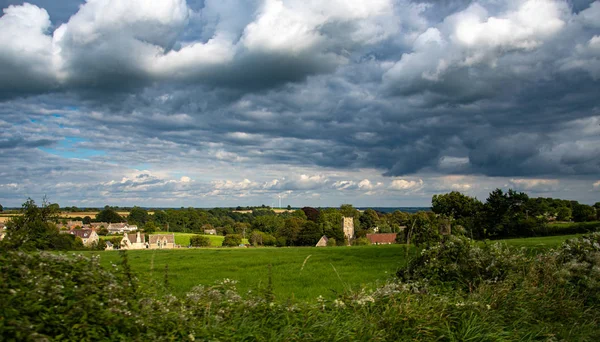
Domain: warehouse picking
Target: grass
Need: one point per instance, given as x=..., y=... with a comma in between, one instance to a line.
x=302, y=273
x=299, y=272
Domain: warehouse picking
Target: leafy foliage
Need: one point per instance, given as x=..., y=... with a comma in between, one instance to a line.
x=199, y=241
x=232, y=240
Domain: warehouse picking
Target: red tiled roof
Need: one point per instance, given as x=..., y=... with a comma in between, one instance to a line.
x=382, y=238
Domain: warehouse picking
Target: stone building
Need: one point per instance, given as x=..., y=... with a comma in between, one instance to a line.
x=160, y=241
x=322, y=242
x=88, y=236
x=134, y=241
x=348, y=228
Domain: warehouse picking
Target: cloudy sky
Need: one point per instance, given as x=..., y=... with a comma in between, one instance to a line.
x=224, y=103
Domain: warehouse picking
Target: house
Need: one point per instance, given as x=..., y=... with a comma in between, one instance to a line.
x=88, y=236
x=159, y=241
x=118, y=228
x=74, y=224
x=382, y=239
x=98, y=225
x=210, y=231
x=322, y=242
x=134, y=241
x=109, y=246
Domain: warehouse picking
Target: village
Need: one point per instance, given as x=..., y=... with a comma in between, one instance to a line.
x=133, y=239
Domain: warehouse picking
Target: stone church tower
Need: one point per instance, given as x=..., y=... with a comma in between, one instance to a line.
x=348, y=227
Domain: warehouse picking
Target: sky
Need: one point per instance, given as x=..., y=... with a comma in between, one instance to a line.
x=223, y=103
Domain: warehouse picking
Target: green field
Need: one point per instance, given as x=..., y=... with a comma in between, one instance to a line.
x=326, y=271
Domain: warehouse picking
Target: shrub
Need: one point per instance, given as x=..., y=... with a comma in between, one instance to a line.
x=460, y=262
x=199, y=241
x=363, y=241
x=232, y=240
x=331, y=242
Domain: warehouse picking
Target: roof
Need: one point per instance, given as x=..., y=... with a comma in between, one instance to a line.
x=133, y=237
x=118, y=225
x=82, y=233
x=109, y=244
x=382, y=238
x=170, y=238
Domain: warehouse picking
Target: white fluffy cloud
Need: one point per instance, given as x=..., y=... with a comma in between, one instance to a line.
x=406, y=185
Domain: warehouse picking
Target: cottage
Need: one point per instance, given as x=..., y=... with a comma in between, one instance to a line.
x=98, y=225
x=382, y=239
x=134, y=241
x=160, y=241
x=74, y=224
x=88, y=236
x=109, y=246
x=322, y=242
x=118, y=228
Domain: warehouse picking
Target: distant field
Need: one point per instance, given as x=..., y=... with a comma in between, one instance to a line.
x=326, y=271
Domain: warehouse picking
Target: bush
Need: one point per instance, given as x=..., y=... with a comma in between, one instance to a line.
x=199, y=241
x=363, y=241
x=232, y=240
x=460, y=262
x=331, y=242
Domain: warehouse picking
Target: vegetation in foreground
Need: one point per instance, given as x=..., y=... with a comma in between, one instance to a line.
x=455, y=290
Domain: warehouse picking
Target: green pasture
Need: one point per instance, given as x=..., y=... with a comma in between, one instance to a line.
x=297, y=272
x=326, y=271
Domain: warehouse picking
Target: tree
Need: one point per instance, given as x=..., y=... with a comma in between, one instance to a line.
x=34, y=229
x=199, y=241
x=108, y=215
x=310, y=234
x=232, y=240
x=290, y=230
x=583, y=213
x=87, y=220
x=423, y=229
x=138, y=216
x=149, y=227
x=1, y=208
x=369, y=219
x=563, y=214
x=311, y=213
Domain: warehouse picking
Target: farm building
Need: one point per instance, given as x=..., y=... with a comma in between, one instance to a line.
x=322, y=242
x=159, y=241
x=382, y=239
x=88, y=236
x=134, y=241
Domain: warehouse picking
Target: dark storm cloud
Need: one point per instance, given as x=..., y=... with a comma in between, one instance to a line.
x=493, y=88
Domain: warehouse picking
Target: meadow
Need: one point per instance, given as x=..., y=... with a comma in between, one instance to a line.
x=302, y=273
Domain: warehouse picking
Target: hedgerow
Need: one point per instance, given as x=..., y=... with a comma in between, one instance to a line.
x=456, y=291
